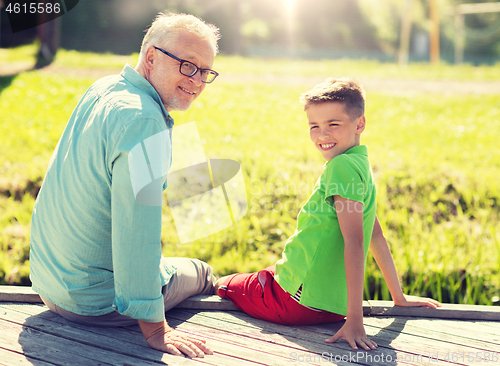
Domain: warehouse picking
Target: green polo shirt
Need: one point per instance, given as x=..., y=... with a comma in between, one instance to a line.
x=314, y=255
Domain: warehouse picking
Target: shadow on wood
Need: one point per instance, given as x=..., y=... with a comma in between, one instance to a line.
x=302, y=344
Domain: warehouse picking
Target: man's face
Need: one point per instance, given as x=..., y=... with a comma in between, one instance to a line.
x=178, y=91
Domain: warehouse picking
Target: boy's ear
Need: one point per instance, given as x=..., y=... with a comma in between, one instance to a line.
x=360, y=125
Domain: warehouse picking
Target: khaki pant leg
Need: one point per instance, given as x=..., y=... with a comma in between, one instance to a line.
x=193, y=277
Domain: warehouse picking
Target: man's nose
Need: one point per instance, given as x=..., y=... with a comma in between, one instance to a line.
x=196, y=78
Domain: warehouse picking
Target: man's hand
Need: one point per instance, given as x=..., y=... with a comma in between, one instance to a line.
x=416, y=301
x=163, y=338
x=354, y=333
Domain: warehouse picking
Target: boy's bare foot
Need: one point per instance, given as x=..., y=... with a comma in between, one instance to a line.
x=219, y=283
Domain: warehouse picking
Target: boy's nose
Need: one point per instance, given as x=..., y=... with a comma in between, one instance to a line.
x=324, y=135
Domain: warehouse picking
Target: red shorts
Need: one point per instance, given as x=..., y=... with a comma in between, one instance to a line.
x=260, y=296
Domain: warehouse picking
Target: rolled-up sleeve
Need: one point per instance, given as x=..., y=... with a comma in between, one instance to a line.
x=136, y=247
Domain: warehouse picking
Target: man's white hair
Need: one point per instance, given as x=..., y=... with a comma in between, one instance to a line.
x=166, y=26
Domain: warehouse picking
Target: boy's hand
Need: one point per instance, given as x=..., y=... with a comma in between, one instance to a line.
x=425, y=302
x=354, y=333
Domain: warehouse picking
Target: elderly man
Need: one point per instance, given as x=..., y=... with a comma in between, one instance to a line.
x=95, y=248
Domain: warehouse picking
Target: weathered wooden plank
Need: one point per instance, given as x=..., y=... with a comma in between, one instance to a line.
x=130, y=334
x=472, y=333
x=19, y=293
x=397, y=344
x=214, y=302
x=224, y=344
x=283, y=352
x=93, y=336
x=20, y=305
x=62, y=351
x=404, y=337
x=26, y=294
x=69, y=332
x=394, y=335
x=242, y=344
x=297, y=339
x=220, y=357
x=446, y=311
x=31, y=343
x=8, y=358
x=370, y=308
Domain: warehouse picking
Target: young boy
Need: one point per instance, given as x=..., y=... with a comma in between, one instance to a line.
x=320, y=276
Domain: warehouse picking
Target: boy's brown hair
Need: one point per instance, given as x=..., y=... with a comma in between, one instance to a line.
x=344, y=90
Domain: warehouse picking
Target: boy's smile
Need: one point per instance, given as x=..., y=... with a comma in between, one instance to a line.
x=326, y=147
x=331, y=129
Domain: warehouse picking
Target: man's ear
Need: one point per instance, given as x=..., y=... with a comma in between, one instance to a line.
x=150, y=58
x=360, y=125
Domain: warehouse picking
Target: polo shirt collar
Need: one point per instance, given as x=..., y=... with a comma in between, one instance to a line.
x=136, y=79
x=360, y=149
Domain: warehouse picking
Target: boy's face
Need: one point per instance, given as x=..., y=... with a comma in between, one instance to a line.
x=331, y=129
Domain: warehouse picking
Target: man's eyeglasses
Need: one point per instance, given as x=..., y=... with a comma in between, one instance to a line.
x=189, y=69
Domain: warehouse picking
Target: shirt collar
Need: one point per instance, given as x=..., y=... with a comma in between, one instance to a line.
x=360, y=149
x=136, y=79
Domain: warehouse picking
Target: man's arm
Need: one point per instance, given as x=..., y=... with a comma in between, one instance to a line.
x=136, y=248
x=382, y=254
x=350, y=216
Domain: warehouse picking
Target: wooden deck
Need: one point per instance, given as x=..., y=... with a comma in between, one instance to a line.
x=32, y=335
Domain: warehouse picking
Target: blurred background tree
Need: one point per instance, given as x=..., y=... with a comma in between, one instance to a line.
x=299, y=28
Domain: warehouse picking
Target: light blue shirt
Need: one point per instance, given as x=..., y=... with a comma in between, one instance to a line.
x=94, y=248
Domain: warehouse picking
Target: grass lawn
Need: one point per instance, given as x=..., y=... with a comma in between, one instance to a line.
x=435, y=158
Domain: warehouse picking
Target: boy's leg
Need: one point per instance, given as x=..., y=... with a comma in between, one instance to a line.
x=246, y=292
x=260, y=296
x=193, y=277
x=220, y=282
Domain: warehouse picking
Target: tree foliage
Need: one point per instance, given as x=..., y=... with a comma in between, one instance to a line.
x=304, y=27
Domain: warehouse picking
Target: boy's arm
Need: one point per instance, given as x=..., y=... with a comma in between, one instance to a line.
x=382, y=254
x=350, y=216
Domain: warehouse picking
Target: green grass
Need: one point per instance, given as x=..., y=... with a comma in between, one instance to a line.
x=19, y=54
x=436, y=163
x=358, y=68
x=435, y=158
x=68, y=58
x=236, y=65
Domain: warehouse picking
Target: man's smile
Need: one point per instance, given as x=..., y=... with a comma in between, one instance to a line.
x=187, y=91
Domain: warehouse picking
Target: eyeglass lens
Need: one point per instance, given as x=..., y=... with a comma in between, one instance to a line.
x=189, y=69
